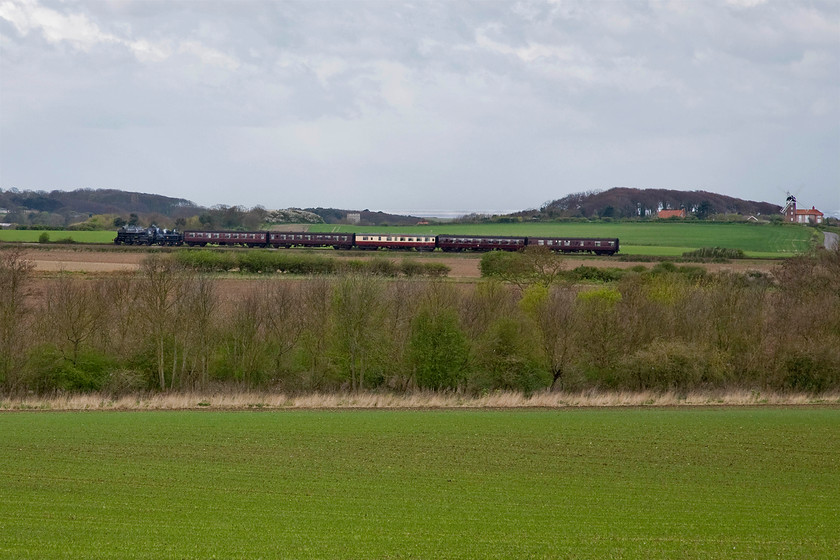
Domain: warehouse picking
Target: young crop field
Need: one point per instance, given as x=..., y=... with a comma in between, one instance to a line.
x=616, y=483
x=650, y=238
x=637, y=238
x=32, y=236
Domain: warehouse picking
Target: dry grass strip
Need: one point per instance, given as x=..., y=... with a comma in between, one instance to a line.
x=230, y=400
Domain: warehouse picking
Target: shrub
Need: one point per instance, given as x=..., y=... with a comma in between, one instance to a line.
x=593, y=274
x=813, y=371
x=44, y=237
x=436, y=270
x=507, y=359
x=715, y=253
x=257, y=262
x=205, y=260
x=672, y=365
x=438, y=349
x=53, y=372
x=410, y=267
x=382, y=267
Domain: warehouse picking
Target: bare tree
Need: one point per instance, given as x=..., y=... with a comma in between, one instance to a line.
x=119, y=302
x=244, y=337
x=200, y=307
x=74, y=314
x=315, y=297
x=357, y=308
x=15, y=271
x=283, y=318
x=161, y=284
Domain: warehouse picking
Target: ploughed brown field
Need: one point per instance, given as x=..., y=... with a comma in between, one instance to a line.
x=462, y=266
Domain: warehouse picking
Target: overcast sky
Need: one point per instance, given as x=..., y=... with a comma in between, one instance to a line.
x=421, y=106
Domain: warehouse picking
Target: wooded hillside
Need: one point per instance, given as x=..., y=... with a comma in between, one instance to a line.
x=631, y=203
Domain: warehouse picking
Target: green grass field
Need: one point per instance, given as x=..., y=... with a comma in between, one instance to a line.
x=650, y=238
x=31, y=236
x=616, y=483
x=637, y=238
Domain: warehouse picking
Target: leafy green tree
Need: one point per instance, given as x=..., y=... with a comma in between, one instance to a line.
x=438, y=349
x=704, y=210
x=359, y=343
x=506, y=357
x=552, y=311
x=532, y=265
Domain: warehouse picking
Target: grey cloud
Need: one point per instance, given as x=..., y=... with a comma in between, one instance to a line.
x=424, y=105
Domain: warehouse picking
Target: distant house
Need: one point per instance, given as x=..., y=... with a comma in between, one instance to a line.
x=795, y=216
x=354, y=217
x=664, y=214
x=812, y=216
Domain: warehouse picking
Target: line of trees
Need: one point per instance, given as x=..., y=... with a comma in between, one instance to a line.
x=169, y=328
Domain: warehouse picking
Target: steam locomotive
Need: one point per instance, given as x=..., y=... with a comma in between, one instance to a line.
x=132, y=235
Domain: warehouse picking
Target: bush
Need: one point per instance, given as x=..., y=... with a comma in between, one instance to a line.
x=593, y=274
x=382, y=267
x=672, y=365
x=53, y=372
x=436, y=270
x=205, y=260
x=410, y=267
x=44, y=237
x=813, y=372
x=257, y=262
x=438, y=349
x=507, y=360
x=715, y=253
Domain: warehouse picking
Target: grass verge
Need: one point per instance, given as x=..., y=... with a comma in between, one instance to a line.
x=227, y=400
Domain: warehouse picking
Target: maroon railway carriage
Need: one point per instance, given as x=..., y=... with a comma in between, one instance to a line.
x=390, y=241
x=479, y=243
x=243, y=238
x=305, y=239
x=576, y=244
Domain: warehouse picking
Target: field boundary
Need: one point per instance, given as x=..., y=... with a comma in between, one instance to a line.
x=421, y=400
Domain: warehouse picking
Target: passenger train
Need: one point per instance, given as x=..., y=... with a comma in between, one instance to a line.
x=132, y=235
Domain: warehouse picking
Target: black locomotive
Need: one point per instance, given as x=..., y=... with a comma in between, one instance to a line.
x=135, y=235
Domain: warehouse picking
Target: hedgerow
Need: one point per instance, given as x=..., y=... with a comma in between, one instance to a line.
x=170, y=327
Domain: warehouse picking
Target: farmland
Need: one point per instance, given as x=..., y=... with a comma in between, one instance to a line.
x=645, y=238
x=31, y=236
x=637, y=238
x=628, y=483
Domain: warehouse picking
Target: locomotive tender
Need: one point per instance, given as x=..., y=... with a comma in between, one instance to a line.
x=130, y=235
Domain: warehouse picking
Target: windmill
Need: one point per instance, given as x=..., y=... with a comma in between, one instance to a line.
x=790, y=204
x=789, y=209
